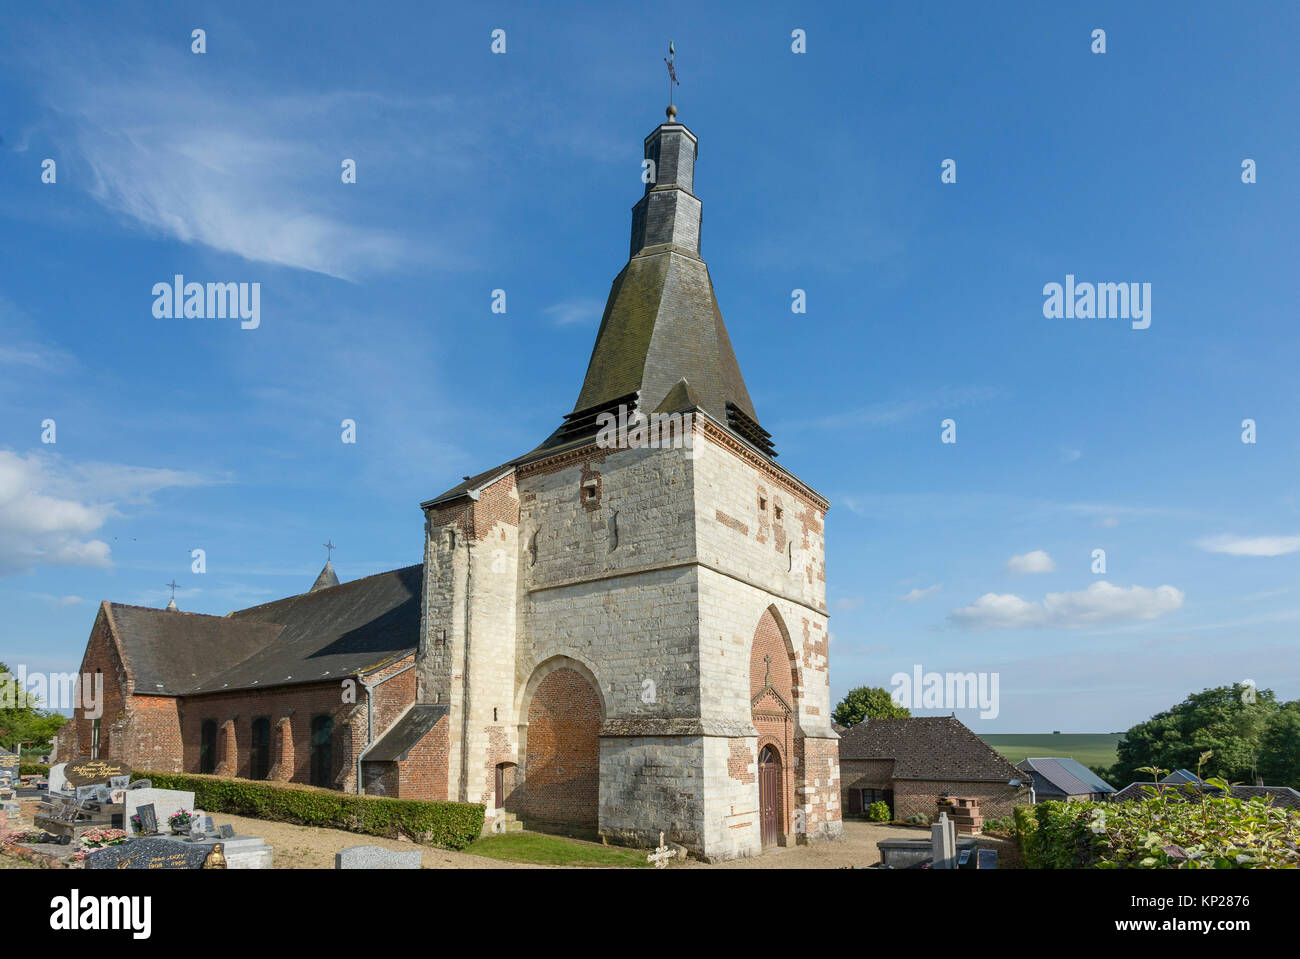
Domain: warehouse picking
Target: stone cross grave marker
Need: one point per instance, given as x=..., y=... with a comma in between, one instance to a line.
x=662, y=854
x=943, y=843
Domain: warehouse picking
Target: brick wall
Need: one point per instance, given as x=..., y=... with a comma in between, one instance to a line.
x=561, y=775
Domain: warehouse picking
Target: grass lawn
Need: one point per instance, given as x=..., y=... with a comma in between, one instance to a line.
x=544, y=850
x=1091, y=749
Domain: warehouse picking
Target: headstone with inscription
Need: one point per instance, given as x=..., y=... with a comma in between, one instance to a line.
x=9, y=765
x=225, y=830
x=88, y=772
x=153, y=852
x=58, y=781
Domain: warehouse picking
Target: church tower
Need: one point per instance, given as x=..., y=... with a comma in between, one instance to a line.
x=624, y=630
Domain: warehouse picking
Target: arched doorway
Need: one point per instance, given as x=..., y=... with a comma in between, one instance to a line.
x=562, y=757
x=769, y=795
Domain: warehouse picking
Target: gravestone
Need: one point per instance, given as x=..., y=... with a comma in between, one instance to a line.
x=141, y=784
x=58, y=781
x=9, y=764
x=164, y=801
x=943, y=843
x=120, y=782
x=149, y=853
x=148, y=820
x=88, y=772
x=225, y=830
x=377, y=857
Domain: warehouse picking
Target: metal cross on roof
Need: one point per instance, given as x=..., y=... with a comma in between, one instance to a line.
x=173, y=584
x=672, y=72
x=329, y=549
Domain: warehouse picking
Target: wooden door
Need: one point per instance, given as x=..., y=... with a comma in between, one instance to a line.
x=501, y=786
x=769, y=795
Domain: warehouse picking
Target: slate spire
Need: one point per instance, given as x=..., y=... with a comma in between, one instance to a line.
x=661, y=322
x=326, y=579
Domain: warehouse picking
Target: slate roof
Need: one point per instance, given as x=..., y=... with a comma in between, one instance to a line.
x=330, y=632
x=326, y=579
x=1282, y=795
x=406, y=732
x=168, y=652
x=928, y=747
x=1059, y=776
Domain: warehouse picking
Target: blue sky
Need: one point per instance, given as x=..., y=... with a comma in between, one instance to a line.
x=818, y=171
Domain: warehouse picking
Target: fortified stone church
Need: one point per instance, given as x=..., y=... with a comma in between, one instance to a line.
x=603, y=638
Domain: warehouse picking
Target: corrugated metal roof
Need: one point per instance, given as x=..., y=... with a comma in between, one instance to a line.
x=1068, y=776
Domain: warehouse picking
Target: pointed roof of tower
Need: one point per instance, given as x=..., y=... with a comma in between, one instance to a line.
x=326, y=579
x=661, y=322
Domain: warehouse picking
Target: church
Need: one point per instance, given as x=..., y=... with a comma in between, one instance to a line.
x=607, y=637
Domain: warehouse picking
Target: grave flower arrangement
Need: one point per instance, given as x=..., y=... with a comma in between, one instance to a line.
x=97, y=838
x=180, y=822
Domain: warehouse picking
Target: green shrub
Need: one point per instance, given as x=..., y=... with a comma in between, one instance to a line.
x=1167, y=830
x=452, y=825
x=1000, y=826
x=33, y=769
x=1026, y=818
x=918, y=819
x=879, y=812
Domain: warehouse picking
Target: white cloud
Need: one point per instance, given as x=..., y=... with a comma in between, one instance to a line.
x=1100, y=603
x=1251, y=545
x=579, y=310
x=1070, y=455
x=1035, y=562
x=50, y=509
x=916, y=595
x=848, y=602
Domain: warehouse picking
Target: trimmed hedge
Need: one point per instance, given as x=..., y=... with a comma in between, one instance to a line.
x=33, y=769
x=451, y=825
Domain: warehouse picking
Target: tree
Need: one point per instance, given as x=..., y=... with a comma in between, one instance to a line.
x=1279, y=748
x=867, y=702
x=1227, y=720
x=21, y=718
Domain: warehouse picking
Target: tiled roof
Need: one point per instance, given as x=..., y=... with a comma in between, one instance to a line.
x=928, y=747
x=406, y=732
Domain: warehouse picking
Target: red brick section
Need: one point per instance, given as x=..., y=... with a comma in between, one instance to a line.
x=101, y=656
x=495, y=504
x=732, y=523
x=741, y=764
x=562, y=772
x=775, y=727
x=423, y=773
x=821, y=781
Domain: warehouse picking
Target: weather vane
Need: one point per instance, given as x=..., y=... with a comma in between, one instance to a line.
x=329, y=549
x=173, y=584
x=672, y=78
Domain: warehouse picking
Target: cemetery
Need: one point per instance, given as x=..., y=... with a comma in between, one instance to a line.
x=92, y=815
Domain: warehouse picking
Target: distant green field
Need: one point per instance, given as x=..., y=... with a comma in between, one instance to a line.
x=1091, y=749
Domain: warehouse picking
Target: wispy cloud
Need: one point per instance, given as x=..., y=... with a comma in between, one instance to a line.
x=916, y=595
x=1250, y=545
x=1036, y=561
x=50, y=508
x=893, y=412
x=1099, y=604
x=578, y=310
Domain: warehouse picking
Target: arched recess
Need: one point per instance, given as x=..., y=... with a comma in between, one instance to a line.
x=563, y=709
x=774, y=681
